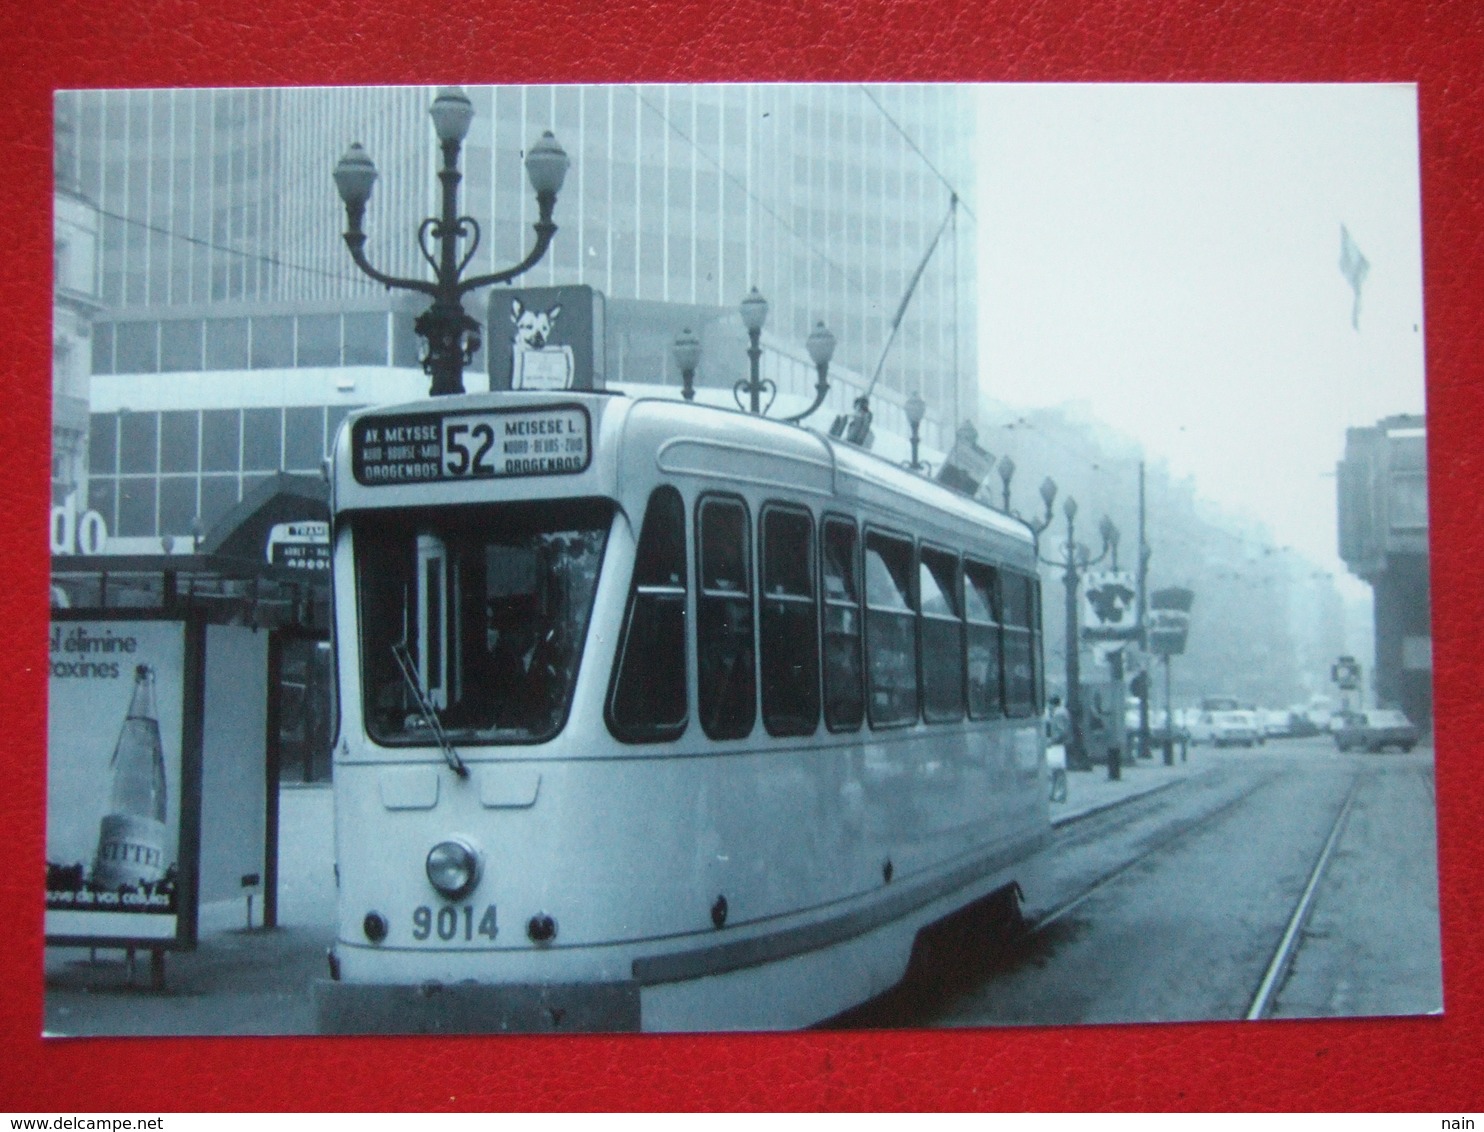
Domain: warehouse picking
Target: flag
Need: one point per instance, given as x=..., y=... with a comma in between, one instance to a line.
x=1354, y=267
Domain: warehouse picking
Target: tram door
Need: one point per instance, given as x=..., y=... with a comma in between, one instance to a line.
x=438, y=655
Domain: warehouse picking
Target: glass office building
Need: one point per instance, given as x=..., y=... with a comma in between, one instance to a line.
x=235, y=332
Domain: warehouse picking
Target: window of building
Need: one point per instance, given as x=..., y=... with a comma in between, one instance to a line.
x=138, y=443
x=788, y=623
x=136, y=504
x=319, y=340
x=982, y=631
x=262, y=440
x=303, y=439
x=226, y=343
x=180, y=345
x=1019, y=613
x=103, y=347
x=177, y=506
x=647, y=700
x=406, y=345
x=136, y=347
x=891, y=636
x=724, y=649
x=272, y=342
x=102, y=498
x=942, y=636
x=103, y=444
x=218, y=496
x=221, y=440
x=844, y=695
x=180, y=447
x=365, y=339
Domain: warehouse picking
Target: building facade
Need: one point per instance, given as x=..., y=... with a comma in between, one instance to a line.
x=235, y=332
x=1383, y=540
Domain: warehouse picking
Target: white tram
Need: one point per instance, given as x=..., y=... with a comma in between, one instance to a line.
x=657, y=716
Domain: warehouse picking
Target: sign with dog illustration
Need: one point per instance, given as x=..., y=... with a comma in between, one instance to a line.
x=546, y=338
x=1109, y=610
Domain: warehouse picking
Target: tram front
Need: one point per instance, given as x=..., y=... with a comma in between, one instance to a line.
x=470, y=537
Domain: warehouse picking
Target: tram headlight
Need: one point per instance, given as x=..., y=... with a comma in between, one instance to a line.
x=453, y=868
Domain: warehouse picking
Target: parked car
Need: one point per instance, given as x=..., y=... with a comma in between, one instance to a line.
x=1375, y=730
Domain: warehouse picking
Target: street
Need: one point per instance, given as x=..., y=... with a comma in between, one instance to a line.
x=1172, y=906
x=1162, y=905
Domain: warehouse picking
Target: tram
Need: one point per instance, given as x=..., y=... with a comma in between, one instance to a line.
x=657, y=716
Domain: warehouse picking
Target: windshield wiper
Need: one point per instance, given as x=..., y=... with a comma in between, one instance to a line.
x=429, y=714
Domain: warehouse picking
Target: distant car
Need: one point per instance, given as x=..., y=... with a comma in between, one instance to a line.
x=1276, y=724
x=1230, y=728
x=1375, y=730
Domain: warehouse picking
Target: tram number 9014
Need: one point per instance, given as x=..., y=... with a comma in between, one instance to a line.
x=452, y=923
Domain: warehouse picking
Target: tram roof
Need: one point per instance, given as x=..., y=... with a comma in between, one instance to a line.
x=622, y=421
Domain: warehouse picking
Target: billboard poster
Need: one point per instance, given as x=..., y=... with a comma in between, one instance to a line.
x=1109, y=608
x=546, y=338
x=115, y=737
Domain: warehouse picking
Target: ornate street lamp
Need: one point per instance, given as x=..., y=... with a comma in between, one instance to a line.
x=686, y=350
x=916, y=409
x=754, y=310
x=821, y=347
x=452, y=336
x=1075, y=561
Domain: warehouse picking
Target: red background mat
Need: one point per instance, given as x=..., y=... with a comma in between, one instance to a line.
x=1415, y=1063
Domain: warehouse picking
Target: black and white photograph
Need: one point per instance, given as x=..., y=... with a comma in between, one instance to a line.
x=738, y=557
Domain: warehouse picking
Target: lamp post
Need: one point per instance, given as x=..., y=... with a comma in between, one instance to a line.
x=1006, y=468
x=452, y=336
x=1074, y=562
x=754, y=313
x=686, y=349
x=916, y=409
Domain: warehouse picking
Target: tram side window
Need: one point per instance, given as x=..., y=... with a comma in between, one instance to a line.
x=788, y=624
x=724, y=651
x=891, y=637
x=647, y=698
x=981, y=608
x=942, y=637
x=844, y=696
x=1020, y=686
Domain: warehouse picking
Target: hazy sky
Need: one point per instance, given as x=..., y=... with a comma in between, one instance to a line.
x=1170, y=256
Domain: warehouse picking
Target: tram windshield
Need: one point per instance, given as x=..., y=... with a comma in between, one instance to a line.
x=488, y=607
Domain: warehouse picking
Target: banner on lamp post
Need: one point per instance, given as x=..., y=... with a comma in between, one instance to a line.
x=1109, y=606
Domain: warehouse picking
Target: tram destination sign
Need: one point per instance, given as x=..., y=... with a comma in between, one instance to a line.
x=496, y=443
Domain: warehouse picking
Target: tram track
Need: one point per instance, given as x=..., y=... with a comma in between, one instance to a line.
x=1277, y=969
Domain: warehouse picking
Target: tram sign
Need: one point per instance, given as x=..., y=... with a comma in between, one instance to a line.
x=302, y=546
x=494, y=443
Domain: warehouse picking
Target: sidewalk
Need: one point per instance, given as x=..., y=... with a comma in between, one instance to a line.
x=1090, y=790
x=243, y=980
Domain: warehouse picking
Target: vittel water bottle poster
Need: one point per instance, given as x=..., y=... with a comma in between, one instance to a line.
x=114, y=779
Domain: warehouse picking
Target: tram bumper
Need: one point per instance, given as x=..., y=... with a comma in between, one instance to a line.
x=475, y=1008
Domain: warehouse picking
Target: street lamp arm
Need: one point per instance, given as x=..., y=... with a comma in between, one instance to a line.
x=545, y=230
x=821, y=390
x=356, y=242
